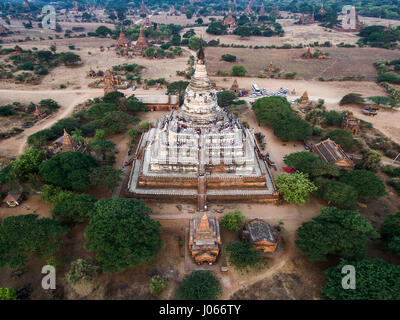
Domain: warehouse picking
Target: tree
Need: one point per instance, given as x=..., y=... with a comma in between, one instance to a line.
x=371, y=160
x=239, y=71
x=100, y=144
x=116, y=121
x=232, y=221
x=342, y=137
x=76, y=208
x=113, y=97
x=82, y=271
x=375, y=280
x=228, y=57
x=196, y=42
x=270, y=110
x=24, y=235
x=8, y=294
x=340, y=195
x=352, y=98
x=243, y=31
x=226, y=98
x=216, y=28
x=157, y=285
x=135, y=105
x=55, y=195
x=308, y=162
x=342, y=233
x=177, y=87
x=68, y=170
x=69, y=58
x=367, y=184
x=27, y=164
x=383, y=101
x=200, y=285
x=242, y=255
x=98, y=110
x=388, y=77
x=103, y=31
x=49, y=104
x=123, y=234
x=105, y=177
x=295, y=188
x=292, y=128
x=391, y=232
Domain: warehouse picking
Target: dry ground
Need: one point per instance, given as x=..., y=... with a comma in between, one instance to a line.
x=342, y=62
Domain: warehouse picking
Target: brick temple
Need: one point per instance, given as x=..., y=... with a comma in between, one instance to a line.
x=200, y=154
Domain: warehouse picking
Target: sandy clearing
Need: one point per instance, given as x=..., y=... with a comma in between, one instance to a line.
x=68, y=99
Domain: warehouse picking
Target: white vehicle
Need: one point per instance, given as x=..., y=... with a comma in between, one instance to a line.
x=255, y=87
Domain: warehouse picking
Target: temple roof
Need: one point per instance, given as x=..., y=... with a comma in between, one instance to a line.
x=260, y=230
x=329, y=151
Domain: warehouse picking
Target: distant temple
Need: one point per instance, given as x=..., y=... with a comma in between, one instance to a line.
x=110, y=82
x=147, y=24
x=330, y=151
x=143, y=9
x=260, y=234
x=229, y=21
x=304, y=98
x=304, y=20
x=262, y=11
x=123, y=44
x=200, y=154
x=141, y=43
x=204, y=239
x=249, y=9
x=352, y=26
x=39, y=113
x=235, y=87
x=349, y=122
x=65, y=143
x=26, y=5
x=183, y=9
x=322, y=11
x=3, y=30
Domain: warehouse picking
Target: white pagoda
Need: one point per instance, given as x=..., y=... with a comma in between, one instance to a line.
x=200, y=153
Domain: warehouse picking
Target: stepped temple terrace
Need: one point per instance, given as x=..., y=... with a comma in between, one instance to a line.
x=200, y=154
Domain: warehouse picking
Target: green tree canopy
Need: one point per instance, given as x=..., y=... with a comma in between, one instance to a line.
x=367, y=184
x=69, y=58
x=76, y=208
x=226, y=98
x=200, y=285
x=28, y=163
x=82, y=271
x=68, y=170
x=343, y=233
x=98, y=110
x=232, y=221
x=375, y=280
x=340, y=195
x=105, y=177
x=113, y=97
x=242, y=255
x=352, y=98
x=239, y=71
x=23, y=235
x=342, y=137
x=308, y=162
x=295, y=188
x=123, y=234
x=391, y=232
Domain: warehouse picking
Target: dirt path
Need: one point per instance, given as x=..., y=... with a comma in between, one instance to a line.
x=68, y=99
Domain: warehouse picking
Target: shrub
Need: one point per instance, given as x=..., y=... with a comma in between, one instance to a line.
x=200, y=285
x=352, y=98
x=232, y=221
x=82, y=271
x=8, y=294
x=157, y=285
x=242, y=255
x=228, y=57
x=239, y=71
